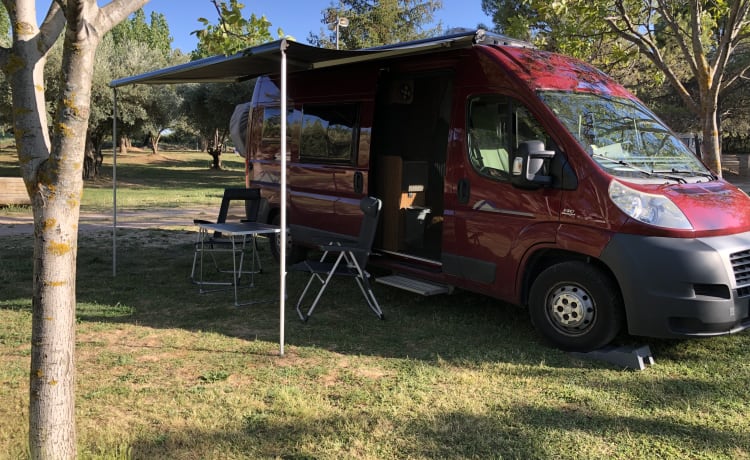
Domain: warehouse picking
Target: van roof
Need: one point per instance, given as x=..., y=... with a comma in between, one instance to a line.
x=550, y=71
x=266, y=59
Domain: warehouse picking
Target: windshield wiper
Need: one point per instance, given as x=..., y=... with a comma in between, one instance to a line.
x=707, y=175
x=659, y=174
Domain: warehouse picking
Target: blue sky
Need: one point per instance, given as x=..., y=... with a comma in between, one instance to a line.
x=296, y=17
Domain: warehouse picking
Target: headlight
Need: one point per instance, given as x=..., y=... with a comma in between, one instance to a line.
x=648, y=208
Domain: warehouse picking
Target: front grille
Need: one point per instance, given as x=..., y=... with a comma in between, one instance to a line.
x=741, y=266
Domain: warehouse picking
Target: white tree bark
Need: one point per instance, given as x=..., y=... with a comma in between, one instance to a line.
x=51, y=167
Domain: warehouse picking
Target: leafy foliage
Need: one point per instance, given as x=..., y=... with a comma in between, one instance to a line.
x=210, y=107
x=377, y=22
x=233, y=32
x=135, y=47
x=155, y=34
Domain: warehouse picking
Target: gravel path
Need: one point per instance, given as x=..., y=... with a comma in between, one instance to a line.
x=182, y=218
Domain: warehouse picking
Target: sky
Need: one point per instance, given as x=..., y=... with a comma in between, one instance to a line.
x=296, y=17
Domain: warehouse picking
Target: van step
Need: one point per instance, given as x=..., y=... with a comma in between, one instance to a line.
x=414, y=285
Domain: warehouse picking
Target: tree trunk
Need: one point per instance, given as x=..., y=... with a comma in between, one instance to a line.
x=89, y=159
x=53, y=174
x=55, y=184
x=215, y=153
x=124, y=144
x=52, y=429
x=711, y=146
x=154, y=141
x=56, y=210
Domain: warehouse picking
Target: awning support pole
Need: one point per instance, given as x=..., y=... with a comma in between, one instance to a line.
x=283, y=235
x=114, y=184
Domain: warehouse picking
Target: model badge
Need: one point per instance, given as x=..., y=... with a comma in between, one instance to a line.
x=568, y=212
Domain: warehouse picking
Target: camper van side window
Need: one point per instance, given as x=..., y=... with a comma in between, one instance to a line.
x=328, y=133
x=497, y=125
x=272, y=125
x=489, y=133
x=271, y=131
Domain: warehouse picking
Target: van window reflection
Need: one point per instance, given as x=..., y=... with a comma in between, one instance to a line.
x=328, y=133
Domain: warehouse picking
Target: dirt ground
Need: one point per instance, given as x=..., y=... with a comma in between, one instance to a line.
x=21, y=222
x=182, y=219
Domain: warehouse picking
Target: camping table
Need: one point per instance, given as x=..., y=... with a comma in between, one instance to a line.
x=238, y=234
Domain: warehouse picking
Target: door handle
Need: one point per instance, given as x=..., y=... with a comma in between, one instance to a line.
x=463, y=191
x=359, y=181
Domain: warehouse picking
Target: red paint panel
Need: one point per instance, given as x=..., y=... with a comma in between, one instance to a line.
x=713, y=208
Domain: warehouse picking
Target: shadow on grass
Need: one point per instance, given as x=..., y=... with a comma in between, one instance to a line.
x=520, y=432
x=152, y=288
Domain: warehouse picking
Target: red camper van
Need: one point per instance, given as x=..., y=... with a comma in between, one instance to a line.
x=527, y=176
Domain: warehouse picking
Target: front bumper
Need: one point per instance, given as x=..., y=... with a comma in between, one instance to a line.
x=679, y=287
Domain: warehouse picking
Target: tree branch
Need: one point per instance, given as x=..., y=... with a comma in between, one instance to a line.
x=679, y=35
x=115, y=12
x=52, y=26
x=631, y=33
x=726, y=46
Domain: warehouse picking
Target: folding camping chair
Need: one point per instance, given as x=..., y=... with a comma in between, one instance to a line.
x=345, y=258
x=216, y=243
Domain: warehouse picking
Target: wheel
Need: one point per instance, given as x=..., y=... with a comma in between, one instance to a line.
x=576, y=306
x=294, y=253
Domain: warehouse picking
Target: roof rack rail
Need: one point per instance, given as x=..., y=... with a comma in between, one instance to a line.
x=482, y=37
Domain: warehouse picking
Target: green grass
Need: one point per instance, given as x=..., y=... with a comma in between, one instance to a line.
x=170, y=179
x=164, y=372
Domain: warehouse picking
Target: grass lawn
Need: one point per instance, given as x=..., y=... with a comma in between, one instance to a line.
x=168, y=179
x=164, y=372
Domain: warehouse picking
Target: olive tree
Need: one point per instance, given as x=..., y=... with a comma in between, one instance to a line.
x=51, y=159
x=210, y=107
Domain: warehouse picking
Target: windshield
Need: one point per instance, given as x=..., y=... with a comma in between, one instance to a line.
x=625, y=138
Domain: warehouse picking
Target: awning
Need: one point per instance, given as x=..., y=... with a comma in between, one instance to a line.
x=265, y=60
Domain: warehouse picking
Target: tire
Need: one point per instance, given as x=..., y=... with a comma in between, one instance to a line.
x=294, y=253
x=576, y=306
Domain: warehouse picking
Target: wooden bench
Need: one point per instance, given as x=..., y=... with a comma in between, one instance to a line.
x=13, y=191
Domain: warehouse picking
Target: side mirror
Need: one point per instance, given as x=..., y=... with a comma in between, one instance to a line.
x=530, y=164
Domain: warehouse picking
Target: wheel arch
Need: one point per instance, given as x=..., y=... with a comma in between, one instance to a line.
x=542, y=259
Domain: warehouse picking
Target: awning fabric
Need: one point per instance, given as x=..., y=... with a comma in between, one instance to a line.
x=265, y=60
